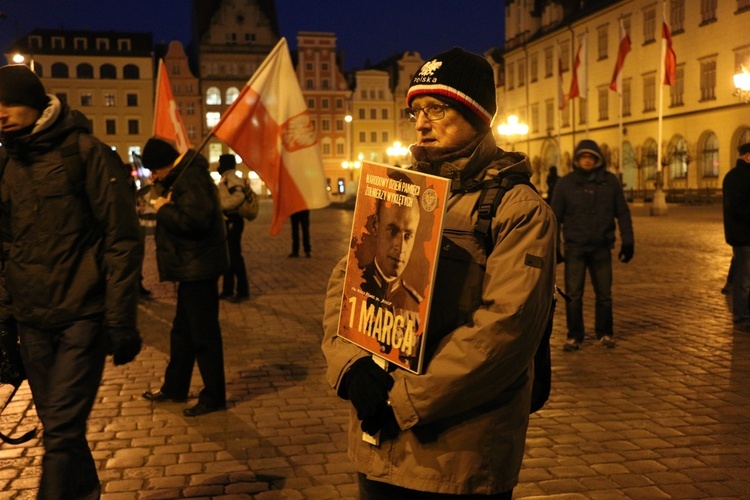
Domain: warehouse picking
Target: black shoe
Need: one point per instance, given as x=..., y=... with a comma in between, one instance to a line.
x=202, y=409
x=242, y=296
x=308, y=254
x=225, y=296
x=160, y=397
x=293, y=255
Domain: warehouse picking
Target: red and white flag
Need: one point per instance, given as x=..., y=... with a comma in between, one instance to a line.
x=616, y=83
x=167, y=119
x=670, y=58
x=561, y=97
x=269, y=126
x=579, y=84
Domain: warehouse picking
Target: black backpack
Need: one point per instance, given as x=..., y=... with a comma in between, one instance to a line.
x=490, y=198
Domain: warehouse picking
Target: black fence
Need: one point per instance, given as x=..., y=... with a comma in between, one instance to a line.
x=699, y=196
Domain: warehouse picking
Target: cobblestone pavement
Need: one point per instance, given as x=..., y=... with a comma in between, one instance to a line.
x=663, y=415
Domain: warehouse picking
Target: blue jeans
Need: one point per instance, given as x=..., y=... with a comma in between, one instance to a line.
x=64, y=367
x=741, y=286
x=599, y=264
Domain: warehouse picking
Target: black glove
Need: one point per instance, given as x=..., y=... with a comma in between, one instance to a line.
x=384, y=420
x=560, y=257
x=124, y=344
x=367, y=387
x=626, y=253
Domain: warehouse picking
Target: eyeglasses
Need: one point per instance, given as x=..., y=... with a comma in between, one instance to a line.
x=433, y=112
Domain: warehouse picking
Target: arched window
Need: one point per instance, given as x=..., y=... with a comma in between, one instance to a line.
x=84, y=70
x=212, y=118
x=59, y=70
x=628, y=166
x=108, y=72
x=213, y=96
x=709, y=159
x=650, y=154
x=38, y=70
x=678, y=157
x=232, y=94
x=131, y=72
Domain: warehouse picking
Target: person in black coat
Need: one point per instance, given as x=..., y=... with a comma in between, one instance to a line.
x=736, y=187
x=191, y=249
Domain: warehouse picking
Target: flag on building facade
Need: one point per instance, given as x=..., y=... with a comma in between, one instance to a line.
x=579, y=84
x=269, y=126
x=561, y=97
x=670, y=58
x=167, y=119
x=623, y=50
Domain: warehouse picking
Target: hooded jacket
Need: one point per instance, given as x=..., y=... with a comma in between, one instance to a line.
x=191, y=241
x=586, y=205
x=73, y=248
x=463, y=421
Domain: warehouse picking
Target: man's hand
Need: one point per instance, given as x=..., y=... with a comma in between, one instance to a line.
x=384, y=420
x=626, y=253
x=367, y=387
x=161, y=201
x=124, y=344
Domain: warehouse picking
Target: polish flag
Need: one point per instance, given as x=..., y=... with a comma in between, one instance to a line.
x=670, y=58
x=561, y=97
x=269, y=126
x=167, y=119
x=579, y=84
x=616, y=84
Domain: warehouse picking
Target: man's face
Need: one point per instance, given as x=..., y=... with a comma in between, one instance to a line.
x=395, y=227
x=745, y=157
x=451, y=130
x=14, y=117
x=587, y=161
x=161, y=173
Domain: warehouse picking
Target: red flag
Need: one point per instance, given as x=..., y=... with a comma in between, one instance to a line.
x=670, y=58
x=561, y=98
x=167, y=119
x=269, y=126
x=616, y=83
x=579, y=84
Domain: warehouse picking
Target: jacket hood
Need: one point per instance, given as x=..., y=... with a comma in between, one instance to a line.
x=591, y=147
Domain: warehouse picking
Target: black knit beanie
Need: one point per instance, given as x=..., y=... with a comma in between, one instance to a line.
x=462, y=77
x=19, y=85
x=158, y=153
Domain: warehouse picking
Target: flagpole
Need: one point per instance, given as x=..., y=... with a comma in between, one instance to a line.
x=158, y=86
x=659, y=203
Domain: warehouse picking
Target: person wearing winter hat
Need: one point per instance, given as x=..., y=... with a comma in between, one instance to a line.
x=72, y=272
x=737, y=234
x=586, y=203
x=231, y=196
x=191, y=250
x=459, y=428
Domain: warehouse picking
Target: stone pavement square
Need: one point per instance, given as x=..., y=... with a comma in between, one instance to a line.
x=662, y=415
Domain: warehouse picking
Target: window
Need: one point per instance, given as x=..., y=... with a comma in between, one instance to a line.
x=35, y=41
x=384, y=137
x=309, y=66
x=109, y=99
x=249, y=37
x=677, y=16
x=649, y=25
x=87, y=99
x=602, y=40
x=325, y=103
x=649, y=159
x=102, y=44
x=133, y=127
x=190, y=108
x=549, y=110
x=214, y=152
x=311, y=103
x=339, y=103
x=232, y=94
x=80, y=43
x=326, y=149
x=339, y=149
x=677, y=90
x=678, y=158
x=549, y=59
x=535, y=117
x=649, y=92
x=361, y=113
x=709, y=158
x=566, y=116
x=326, y=83
x=708, y=80
x=325, y=125
x=510, y=76
x=213, y=96
x=85, y=70
x=38, y=69
x=384, y=113
x=339, y=124
x=190, y=131
x=133, y=150
x=708, y=11
x=534, y=67
x=362, y=137
x=565, y=56
x=626, y=96
x=309, y=83
x=110, y=127
x=521, y=73
x=212, y=118
x=107, y=72
x=58, y=42
x=373, y=114
x=583, y=107
x=604, y=102
x=131, y=72
x=123, y=45
x=743, y=5
x=373, y=137
x=131, y=100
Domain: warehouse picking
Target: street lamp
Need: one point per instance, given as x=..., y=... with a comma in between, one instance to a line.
x=352, y=166
x=742, y=84
x=512, y=130
x=397, y=152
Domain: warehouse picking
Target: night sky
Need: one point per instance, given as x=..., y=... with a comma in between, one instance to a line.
x=364, y=30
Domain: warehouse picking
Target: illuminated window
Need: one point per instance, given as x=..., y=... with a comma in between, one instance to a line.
x=214, y=152
x=213, y=96
x=87, y=99
x=232, y=94
x=212, y=118
x=109, y=99
x=710, y=155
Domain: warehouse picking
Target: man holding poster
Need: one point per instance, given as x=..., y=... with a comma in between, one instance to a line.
x=458, y=426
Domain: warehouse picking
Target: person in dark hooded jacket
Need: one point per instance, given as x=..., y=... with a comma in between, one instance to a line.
x=586, y=203
x=72, y=239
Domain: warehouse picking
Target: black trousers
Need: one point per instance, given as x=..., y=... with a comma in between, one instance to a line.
x=301, y=220
x=196, y=336
x=64, y=368
x=237, y=271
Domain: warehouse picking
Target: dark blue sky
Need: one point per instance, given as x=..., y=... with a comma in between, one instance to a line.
x=365, y=30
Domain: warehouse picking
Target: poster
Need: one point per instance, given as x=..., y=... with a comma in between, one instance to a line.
x=392, y=260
